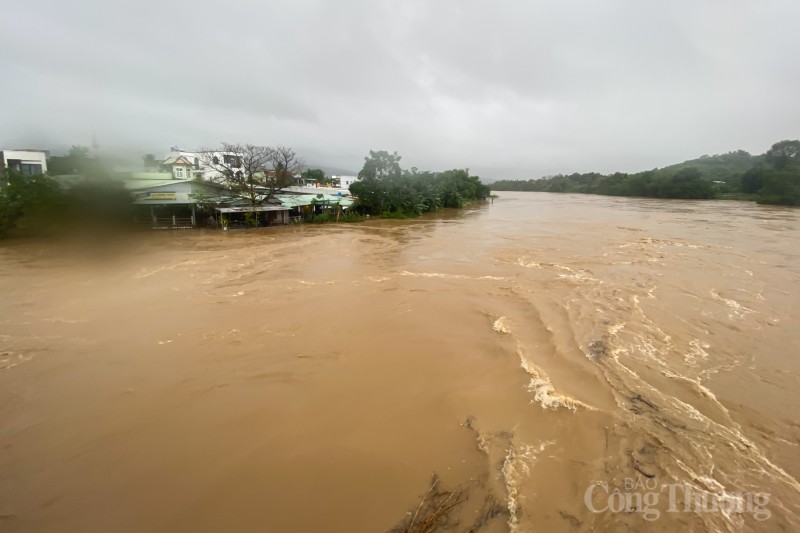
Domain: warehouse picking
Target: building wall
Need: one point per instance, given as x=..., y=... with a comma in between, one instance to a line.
x=345, y=181
x=182, y=172
x=25, y=157
x=207, y=173
x=178, y=193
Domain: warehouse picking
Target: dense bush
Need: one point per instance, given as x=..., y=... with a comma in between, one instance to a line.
x=36, y=205
x=387, y=190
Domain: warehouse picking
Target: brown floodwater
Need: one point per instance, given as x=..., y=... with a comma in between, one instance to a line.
x=543, y=363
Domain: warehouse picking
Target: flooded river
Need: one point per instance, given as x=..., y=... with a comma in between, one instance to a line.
x=542, y=363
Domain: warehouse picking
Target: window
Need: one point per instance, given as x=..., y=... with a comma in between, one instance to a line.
x=30, y=169
x=215, y=160
x=179, y=172
x=233, y=161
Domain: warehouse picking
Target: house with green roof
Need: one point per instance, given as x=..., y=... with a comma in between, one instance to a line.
x=164, y=202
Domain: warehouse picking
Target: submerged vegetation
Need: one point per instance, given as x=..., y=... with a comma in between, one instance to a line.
x=386, y=189
x=771, y=178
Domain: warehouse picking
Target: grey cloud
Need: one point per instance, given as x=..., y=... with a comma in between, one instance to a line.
x=509, y=89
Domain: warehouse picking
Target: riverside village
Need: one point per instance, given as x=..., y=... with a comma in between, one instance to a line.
x=235, y=186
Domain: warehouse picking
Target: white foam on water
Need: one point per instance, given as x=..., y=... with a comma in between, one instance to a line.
x=528, y=264
x=615, y=353
x=579, y=277
x=697, y=348
x=694, y=414
x=448, y=276
x=516, y=468
x=615, y=328
x=544, y=393
x=483, y=443
x=732, y=435
x=314, y=283
x=737, y=309
x=713, y=490
x=500, y=325
x=566, y=268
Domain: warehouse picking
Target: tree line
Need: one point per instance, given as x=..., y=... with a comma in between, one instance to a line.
x=40, y=205
x=386, y=189
x=771, y=178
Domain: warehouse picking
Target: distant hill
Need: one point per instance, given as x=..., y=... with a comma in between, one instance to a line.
x=704, y=177
x=772, y=178
x=722, y=167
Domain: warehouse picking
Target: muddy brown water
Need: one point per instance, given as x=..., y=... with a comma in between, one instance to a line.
x=559, y=362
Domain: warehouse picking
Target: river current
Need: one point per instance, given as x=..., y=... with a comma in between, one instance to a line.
x=544, y=362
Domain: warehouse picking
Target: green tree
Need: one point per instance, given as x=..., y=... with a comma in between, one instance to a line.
x=386, y=189
x=779, y=179
x=781, y=187
x=30, y=203
x=149, y=162
x=316, y=174
x=77, y=161
x=380, y=165
x=783, y=154
x=753, y=180
x=374, y=191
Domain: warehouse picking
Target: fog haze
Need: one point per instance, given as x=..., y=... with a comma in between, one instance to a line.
x=508, y=89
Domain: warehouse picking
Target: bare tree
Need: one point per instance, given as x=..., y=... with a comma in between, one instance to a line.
x=254, y=173
x=285, y=165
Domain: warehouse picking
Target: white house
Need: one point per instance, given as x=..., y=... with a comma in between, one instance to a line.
x=196, y=159
x=344, y=181
x=180, y=167
x=28, y=162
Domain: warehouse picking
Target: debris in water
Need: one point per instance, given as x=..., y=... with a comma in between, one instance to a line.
x=598, y=348
x=440, y=508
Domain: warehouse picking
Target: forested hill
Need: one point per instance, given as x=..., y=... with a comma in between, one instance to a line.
x=773, y=177
x=723, y=167
x=700, y=173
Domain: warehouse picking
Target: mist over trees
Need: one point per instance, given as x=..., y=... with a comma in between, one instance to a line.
x=778, y=179
x=40, y=205
x=771, y=178
x=385, y=189
x=77, y=161
x=315, y=174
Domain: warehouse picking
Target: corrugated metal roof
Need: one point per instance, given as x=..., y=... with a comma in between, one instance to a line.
x=137, y=184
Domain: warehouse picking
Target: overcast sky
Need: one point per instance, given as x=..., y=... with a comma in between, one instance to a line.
x=509, y=89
